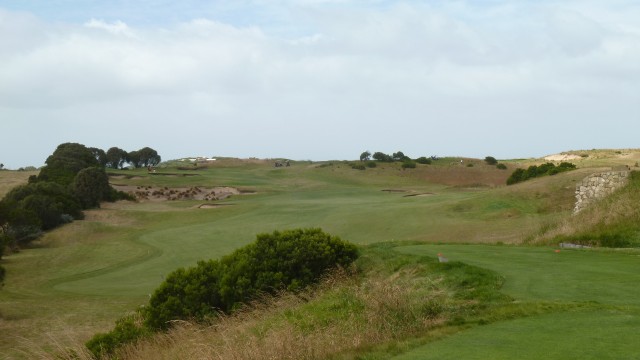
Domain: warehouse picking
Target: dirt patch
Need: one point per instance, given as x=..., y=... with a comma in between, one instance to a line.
x=395, y=190
x=150, y=193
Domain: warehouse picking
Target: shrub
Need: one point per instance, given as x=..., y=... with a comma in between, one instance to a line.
x=128, y=329
x=371, y=164
x=423, y=160
x=490, y=160
x=501, y=166
x=409, y=164
x=288, y=260
x=358, y=167
x=533, y=171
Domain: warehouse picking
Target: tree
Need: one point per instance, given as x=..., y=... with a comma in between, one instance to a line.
x=490, y=160
x=91, y=186
x=399, y=156
x=65, y=162
x=133, y=158
x=116, y=157
x=382, y=157
x=365, y=156
x=149, y=157
x=100, y=156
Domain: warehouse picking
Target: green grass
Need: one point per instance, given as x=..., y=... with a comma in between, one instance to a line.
x=596, y=291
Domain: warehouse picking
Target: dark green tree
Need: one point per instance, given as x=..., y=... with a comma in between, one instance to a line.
x=100, y=156
x=380, y=156
x=65, y=162
x=490, y=160
x=365, y=156
x=399, y=156
x=149, y=157
x=91, y=186
x=133, y=158
x=116, y=158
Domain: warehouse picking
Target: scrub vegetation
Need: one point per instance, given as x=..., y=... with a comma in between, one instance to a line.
x=448, y=256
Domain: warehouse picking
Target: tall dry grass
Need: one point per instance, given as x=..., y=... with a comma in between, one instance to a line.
x=345, y=315
x=342, y=316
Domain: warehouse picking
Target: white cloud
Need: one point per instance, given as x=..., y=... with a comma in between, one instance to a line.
x=356, y=77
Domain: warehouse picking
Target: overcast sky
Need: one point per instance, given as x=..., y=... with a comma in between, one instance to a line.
x=318, y=79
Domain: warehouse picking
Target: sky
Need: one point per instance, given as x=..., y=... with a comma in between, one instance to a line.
x=318, y=79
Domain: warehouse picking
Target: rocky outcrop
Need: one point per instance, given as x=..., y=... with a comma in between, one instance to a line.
x=598, y=186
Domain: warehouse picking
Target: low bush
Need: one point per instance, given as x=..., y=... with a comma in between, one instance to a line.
x=423, y=160
x=358, y=167
x=490, y=160
x=409, y=164
x=501, y=166
x=288, y=260
x=371, y=164
x=127, y=330
x=533, y=171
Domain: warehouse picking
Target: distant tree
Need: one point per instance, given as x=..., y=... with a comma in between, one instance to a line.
x=490, y=160
x=365, y=156
x=399, y=156
x=148, y=157
x=1, y=166
x=382, y=157
x=91, y=186
x=133, y=158
x=65, y=162
x=100, y=156
x=116, y=158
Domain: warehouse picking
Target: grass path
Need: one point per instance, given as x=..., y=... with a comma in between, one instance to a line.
x=602, y=284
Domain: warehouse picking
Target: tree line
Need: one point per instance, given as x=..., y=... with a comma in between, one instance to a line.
x=73, y=179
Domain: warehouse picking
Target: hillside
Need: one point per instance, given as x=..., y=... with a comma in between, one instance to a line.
x=96, y=270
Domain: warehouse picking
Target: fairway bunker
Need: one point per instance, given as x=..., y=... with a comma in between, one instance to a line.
x=213, y=206
x=419, y=195
x=150, y=193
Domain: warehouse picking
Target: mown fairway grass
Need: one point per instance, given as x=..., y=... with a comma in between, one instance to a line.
x=597, y=290
x=81, y=277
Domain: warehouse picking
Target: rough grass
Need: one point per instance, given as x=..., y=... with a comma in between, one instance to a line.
x=610, y=222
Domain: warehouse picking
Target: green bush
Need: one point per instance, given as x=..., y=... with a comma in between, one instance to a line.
x=287, y=260
x=127, y=330
x=371, y=164
x=358, y=167
x=409, y=164
x=490, y=160
x=501, y=166
x=423, y=160
x=534, y=171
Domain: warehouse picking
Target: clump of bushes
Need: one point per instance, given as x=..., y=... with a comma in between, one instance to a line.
x=423, y=160
x=358, y=167
x=534, y=171
x=501, y=166
x=288, y=260
x=490, y=160
x=408, y=164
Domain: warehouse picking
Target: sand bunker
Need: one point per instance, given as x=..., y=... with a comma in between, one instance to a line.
x=213, y=206
x=150, y=193
x=562, y=157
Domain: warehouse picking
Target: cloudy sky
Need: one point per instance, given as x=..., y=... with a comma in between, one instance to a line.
x=319, y=79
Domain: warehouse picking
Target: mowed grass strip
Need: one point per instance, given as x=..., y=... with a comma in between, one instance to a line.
x=597, y=290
